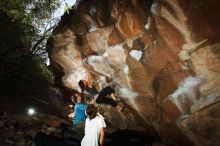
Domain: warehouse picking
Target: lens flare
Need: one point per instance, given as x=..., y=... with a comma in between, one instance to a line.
x=31, y=112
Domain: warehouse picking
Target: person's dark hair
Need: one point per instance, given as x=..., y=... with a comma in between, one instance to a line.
x=81, y=85
x=91, y=111
x=74, y=98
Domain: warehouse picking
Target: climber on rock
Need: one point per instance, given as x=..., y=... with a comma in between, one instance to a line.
x=101, y=97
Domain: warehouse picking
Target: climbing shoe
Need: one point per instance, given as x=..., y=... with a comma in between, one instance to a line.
x=117, y=99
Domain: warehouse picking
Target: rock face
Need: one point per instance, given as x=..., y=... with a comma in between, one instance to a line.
x=163, y=58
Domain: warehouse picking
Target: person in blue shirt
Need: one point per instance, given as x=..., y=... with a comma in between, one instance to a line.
x=79, y=116
x=79, y=109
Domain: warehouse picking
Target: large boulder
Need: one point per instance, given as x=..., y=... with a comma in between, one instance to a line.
x=163, y=58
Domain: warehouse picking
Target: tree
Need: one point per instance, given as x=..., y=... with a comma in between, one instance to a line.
x=36, y=18
x=25, y=27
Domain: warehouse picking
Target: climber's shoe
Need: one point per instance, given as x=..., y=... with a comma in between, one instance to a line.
x=117, y=99
x=100, y=105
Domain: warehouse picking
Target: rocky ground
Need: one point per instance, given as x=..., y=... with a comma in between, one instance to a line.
x=21, y=130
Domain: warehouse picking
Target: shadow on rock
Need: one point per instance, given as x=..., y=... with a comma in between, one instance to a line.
x=129, y=138
x=42, y=139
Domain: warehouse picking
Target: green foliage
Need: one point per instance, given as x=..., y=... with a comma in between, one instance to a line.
x=25, y=76
x=40, y=68
x=67, y=8
x=23, y=34
x=34, y=16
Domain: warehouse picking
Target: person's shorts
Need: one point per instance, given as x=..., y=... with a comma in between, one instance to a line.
x=107, y=91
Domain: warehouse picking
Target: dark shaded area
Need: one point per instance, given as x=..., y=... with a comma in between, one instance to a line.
x=119, y=138
x=21, y=73
x=156, y=87
x=202, y=18
x=148, y=3
x=43, y=139
x=104, y=4
x=129, y=138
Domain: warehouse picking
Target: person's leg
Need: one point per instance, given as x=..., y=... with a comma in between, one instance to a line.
x=95, y=97
x=102, y=98
x=77, y=131
x=107, y=101
x=108, y=91
x=113, y=96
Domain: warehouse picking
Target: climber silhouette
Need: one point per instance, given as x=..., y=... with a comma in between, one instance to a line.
x=101, y=97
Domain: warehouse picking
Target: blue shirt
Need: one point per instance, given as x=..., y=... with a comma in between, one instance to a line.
x=79, y=112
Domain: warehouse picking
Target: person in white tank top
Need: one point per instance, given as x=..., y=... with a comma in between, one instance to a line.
x=94, y=128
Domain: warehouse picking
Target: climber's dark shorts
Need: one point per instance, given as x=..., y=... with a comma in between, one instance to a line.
x=107, y=91
x=102, y=97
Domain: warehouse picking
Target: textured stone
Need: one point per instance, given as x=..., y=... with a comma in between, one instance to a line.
x=98, y=40
x=162, y=57
x=202, y=126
